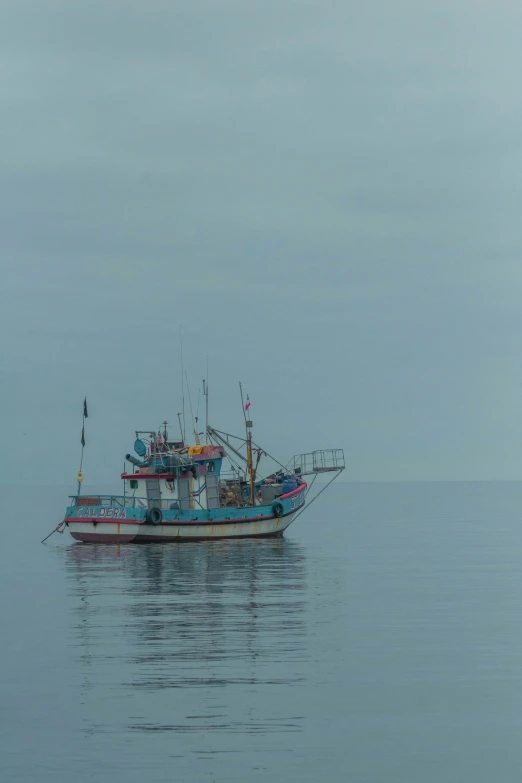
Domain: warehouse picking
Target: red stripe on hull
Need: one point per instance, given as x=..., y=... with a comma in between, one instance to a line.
x=102, y=520
x=173, y=522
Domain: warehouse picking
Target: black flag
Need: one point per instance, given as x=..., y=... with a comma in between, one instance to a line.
x=83, y=436
x=85, y=414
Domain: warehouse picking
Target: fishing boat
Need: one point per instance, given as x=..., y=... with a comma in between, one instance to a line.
x=173, y=491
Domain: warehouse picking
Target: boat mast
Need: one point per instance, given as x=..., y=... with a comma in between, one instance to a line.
x=205, y=392
x=250, y=462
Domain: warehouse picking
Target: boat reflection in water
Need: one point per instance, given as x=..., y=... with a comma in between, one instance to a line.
x=190, y=637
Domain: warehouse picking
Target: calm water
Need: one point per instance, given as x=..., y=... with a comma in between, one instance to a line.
x=381, y=640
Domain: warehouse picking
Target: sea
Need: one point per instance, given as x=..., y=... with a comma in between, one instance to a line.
x=379, y=641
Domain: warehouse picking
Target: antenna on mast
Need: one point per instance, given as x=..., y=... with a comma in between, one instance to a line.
x=198, y=442
x=205, y=393
x=194, y=428
x=182, y=385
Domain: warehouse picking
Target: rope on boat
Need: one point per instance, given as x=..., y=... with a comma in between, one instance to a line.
x=310, y=485
x=56, y=530
x=316, y=496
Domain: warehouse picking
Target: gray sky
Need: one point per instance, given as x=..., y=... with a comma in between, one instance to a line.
x=325, y=195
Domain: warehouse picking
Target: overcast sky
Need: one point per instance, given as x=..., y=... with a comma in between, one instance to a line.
x=325, y=195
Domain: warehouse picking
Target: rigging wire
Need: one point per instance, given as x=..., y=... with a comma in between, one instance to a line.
x=316, y=496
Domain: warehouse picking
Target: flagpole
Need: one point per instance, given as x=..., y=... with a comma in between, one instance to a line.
x=80, y=474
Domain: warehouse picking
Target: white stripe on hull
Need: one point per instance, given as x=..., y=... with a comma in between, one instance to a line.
x=114, y=532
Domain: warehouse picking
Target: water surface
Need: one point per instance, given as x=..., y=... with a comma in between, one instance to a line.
x=380, y=640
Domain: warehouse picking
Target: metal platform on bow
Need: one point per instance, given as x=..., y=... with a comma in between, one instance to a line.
x=314, y=462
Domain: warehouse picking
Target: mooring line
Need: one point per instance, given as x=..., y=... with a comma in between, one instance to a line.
x=56, y=529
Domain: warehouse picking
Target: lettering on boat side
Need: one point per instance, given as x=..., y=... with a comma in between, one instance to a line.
x=104, y=511
x=297, y=500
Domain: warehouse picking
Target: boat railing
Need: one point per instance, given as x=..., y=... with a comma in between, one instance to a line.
x=320, y=461
x=131, y=501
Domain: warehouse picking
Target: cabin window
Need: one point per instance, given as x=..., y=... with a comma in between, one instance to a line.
x=133, y=484
x=211, y=467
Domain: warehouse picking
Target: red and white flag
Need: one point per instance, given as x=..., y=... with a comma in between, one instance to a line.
x=247, y=406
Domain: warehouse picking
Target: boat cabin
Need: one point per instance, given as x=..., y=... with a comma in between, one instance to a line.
x=181, y=479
